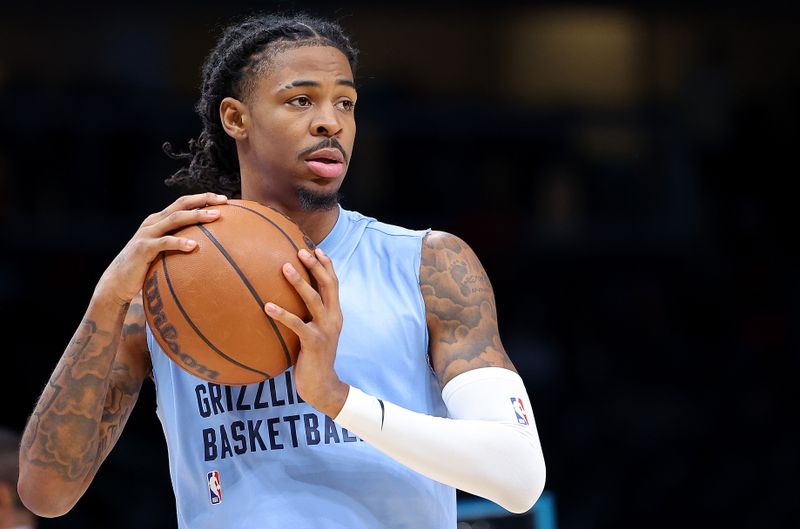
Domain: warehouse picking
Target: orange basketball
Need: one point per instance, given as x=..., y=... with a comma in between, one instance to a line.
x=206, y=307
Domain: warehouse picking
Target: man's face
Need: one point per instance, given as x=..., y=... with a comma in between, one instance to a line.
x=301, y=127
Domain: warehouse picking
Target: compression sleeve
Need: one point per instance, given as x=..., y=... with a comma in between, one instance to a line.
x=488, y=446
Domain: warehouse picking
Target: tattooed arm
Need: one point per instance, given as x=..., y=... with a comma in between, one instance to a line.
x=488, y=445
x=84, y=407
x=460, y=307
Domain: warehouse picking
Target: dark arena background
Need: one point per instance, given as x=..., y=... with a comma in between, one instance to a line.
x=623, y=170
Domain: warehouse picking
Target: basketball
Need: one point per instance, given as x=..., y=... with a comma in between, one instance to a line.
x=206, y=307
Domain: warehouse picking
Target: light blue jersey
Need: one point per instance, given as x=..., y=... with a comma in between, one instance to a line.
x=256, y=456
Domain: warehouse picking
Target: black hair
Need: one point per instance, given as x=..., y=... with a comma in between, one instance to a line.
x=243, y=51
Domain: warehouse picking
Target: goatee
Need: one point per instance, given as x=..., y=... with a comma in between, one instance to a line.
x=313, y=201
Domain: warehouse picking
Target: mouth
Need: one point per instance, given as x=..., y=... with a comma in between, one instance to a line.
x=327, y=163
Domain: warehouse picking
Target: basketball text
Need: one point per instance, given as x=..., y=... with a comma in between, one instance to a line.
x=280, y=428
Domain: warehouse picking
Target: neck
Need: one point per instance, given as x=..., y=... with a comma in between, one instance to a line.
x=316, y=224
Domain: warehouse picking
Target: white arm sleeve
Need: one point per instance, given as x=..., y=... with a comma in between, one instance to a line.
x=488, y=447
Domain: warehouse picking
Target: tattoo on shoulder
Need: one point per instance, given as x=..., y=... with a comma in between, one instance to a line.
x=460, y=307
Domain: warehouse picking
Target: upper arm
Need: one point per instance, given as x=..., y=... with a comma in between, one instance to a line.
x=131, y=366
x=133, y=351
x=460, y=309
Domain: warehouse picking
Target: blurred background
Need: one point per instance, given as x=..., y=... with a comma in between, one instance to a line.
x=623, y=171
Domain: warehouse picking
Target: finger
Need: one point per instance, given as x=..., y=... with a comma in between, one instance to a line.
x=153, y=247
x=181, y=218
x=194, y=201
x=291, y=321
x=310, y=296
x=326, y=262
x=323, y=273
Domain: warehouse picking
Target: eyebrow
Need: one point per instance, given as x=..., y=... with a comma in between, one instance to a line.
x=315, y=84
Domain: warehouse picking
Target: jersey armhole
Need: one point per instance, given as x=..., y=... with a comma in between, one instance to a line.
x=421, y=298
x=152, y=347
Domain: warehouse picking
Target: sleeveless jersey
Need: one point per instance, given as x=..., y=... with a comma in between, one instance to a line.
x=256, y=456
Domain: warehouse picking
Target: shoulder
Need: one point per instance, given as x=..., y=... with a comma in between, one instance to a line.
x=445, y=251
x=379, y=228
x=381, y=238
x=450, y=268
x=441, y=241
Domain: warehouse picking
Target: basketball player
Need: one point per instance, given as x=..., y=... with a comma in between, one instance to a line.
x=402, y=391
x=13, y=515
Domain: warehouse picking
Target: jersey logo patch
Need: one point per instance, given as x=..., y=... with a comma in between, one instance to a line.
x=214, y=487
x=519, y=410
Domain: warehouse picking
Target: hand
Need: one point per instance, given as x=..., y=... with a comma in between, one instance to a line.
x=123, y=278
x=315, y=379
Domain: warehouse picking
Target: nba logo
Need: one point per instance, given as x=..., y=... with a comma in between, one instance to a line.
x=519, y=409
x=214, y=487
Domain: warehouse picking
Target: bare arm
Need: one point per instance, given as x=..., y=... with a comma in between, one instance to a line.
x=84, y=407
x=460, y=307
x=90, y=395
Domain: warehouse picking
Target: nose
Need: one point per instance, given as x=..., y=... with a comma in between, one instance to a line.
x=325, y=121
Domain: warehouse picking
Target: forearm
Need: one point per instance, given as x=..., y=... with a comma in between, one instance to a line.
x=66, y=435
x=94, y=387
x=485, y=450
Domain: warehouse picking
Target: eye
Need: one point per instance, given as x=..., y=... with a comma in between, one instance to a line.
x=346, y=105
x=300, y=101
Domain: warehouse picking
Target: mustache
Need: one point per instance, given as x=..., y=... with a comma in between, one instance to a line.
x=327, y=143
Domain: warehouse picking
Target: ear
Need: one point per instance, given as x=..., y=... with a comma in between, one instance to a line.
x=234, y=118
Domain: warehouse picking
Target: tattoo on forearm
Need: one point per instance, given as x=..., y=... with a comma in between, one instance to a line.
x=83, y=407
x=120, y=399
x=460, y=308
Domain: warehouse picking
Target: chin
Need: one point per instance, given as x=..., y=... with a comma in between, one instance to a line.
x=317, y=199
